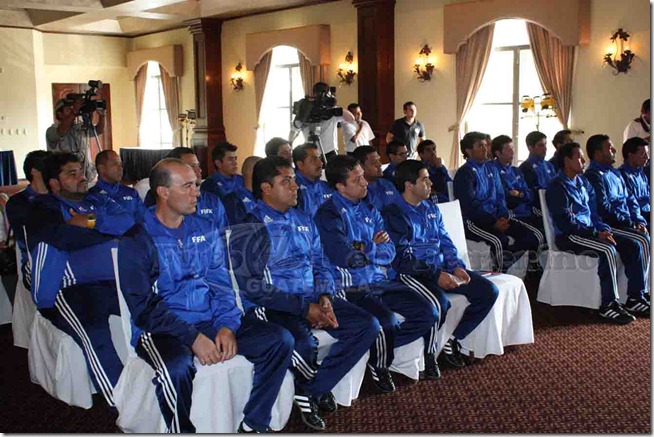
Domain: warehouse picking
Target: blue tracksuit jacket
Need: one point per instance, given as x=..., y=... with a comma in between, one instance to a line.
x=238, y=204
x=389, y=172
x=221, y=185
x=637, y=185
x=513, y=179
x=382, y=192
x=478, y=188
x=175, y=279
x=125, y=196
x=570, y=203
x=20, y=213
x=615, y=204
x=347, y=229
x=283, y=266
x=311, y=194
x=439, y=178
x=538, y=173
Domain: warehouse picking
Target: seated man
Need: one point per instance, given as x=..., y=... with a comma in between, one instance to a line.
x=560, y=138
x=174, y=277
x=20, y=209
x=425, y=253
x=278, y=146
x=361, y=253
x=396, y=152
x=241, y=201
x=225, y=180
x=635, y=152
x=312, y=190
x=285, y=280
x=486, y=217
x=73, y=283
x=110, y=173
x=381, y=191
x=615, y=205
x=538, y=172
x=437, y=171
x=579, y=229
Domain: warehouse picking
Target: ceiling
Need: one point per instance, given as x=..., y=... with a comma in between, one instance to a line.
x=128, y=17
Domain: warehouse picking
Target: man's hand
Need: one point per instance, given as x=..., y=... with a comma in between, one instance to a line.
x=328, y=310
x=462, y=275
x=316, y=318
x=205, y=350
x=514, y=193
x=608, y=237
x=642, y=228
x=381, y=237
x=447, y=281
x=502, y=224
x=226, y=344
x=438, y=162
x=78, y=219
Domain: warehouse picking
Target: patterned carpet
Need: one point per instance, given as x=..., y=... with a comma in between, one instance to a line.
x=581, y=375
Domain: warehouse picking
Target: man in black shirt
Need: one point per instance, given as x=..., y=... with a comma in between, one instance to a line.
x=407, y=129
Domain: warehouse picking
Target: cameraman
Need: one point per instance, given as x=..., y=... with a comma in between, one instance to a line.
x=328, y=132
x=67, y=135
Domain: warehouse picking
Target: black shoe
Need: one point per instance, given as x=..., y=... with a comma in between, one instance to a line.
x=614, y=313
x=241, y=430
x=309, y=411
x=451, y=353
x=432, y=371
x=327, y=403
x=637, y=307
x=382, y=379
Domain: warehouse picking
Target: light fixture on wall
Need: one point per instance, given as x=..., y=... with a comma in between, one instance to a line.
x=346, y=71
x=424, y=66
x=237, y=78
x=537, y=106
x=620, y=58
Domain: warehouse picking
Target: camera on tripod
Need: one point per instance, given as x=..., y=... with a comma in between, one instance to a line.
x=89, y=105
x=316, y=108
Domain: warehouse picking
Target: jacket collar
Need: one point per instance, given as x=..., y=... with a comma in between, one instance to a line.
x=110, y=188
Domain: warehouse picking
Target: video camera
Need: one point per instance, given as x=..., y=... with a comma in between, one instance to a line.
x=89, y=104
x=314, y=109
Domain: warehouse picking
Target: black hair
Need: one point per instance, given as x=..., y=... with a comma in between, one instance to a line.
x=594, y=144
x=338, y=168
x=407, y=171
x=407, y=104
x=265, y=171
x=102, y=157
x=352, y=106
x=498, y=143
x=632, y=145
x=361, y=153
x=559, y=137
x=300, y=153
x=221, y=149
x=273, y=145
x=566, y=151
x=35, y=161
x=178, y=152
x=534, y=137
x=52, y=166
x=468, y=141
x=320, y=87
x=645, y=106
x=423, y=144
x=392, y=147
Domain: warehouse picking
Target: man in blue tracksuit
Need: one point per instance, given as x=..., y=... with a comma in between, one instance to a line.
x=578, y=228
x=537, y=171
x=73, y=283
x=616, y=206
x=561, y=138
x=285, y=279
x=175, y=280
x=437, y=171
x=486, y=217
x=519, y=198
x=397, y=152
x=225, y=180
x=381, y=191
x=241, y=201
x=361, y=253
x=635, y=152
x=312, y=190
x=427, y=259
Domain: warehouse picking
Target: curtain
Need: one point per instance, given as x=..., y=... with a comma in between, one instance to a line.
x=310, y=74
x=171, y=95
x=555, y=67
x=260, y=79
x=471, y=61
x=139, y=87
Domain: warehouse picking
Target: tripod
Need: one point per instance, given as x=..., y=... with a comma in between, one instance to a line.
x=313, y=138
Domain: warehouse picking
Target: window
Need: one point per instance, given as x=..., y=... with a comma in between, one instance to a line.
x=284, y=86
x=510, y=74
x=155, y=131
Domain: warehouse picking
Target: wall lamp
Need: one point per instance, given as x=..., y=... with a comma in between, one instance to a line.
x=237, y=78
x=424, y=66
x=346, y=71
x=620, y=58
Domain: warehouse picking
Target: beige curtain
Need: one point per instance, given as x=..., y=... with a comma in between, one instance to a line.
x=171, y=95
x=555, y=67
x=260, y=79
x=310, y=74
x=471, y=61
x=139, y=87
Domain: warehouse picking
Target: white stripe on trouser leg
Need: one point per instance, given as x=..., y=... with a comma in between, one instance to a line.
x=303, y=367
x=642, y=242
x=41, y=253
x=94, y=361
x=299, y=368
x=167, y=386
x=420, y=288
x=533, y=229
x=609, y=254
x=71, y=274
x=490, y=238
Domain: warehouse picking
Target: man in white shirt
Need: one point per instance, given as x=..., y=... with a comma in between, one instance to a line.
x=639, y=127
x=358, y=132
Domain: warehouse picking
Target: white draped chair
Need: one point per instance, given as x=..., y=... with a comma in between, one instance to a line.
x=23, y=311
x=5, y=306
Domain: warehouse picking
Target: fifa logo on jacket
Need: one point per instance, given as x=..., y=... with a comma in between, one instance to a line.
x=198, y=239
x=206, y=211
x=303, y=228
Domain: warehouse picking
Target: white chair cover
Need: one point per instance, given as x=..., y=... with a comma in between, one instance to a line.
x=142, y=187
x=24, y=310
x=450, y=190
x=5, y=306
x=570, y=279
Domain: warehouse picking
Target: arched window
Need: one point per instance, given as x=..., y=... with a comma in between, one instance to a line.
x=155, y=131
x=284, y=86
x=510, y=74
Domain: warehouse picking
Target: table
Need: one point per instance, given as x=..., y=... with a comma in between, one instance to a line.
x=8, y=175
x=138, y=162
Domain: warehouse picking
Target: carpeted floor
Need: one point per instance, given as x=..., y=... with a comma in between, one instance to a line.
x=581, y=375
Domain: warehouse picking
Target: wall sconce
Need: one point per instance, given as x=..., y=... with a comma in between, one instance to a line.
x=620, y=58
x=537, y=106
x=237, y=78
x=346, y=71
x=424, y=66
